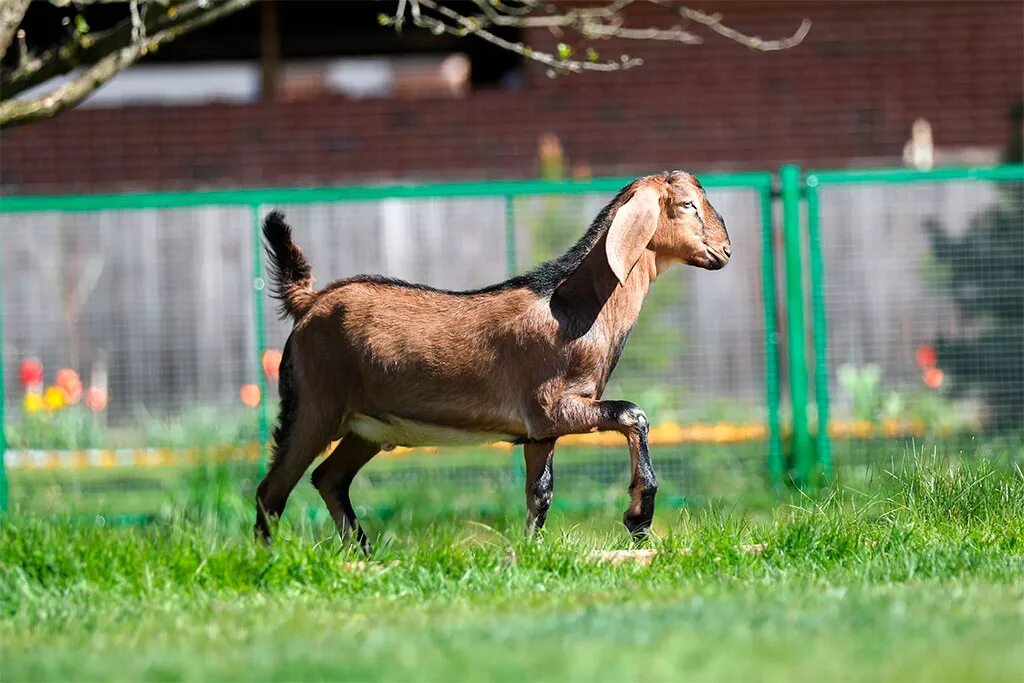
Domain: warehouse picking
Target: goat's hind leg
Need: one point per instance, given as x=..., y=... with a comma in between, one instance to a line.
x=298, y=439
x=334, y=477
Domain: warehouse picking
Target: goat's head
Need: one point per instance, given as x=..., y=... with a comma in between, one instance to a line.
x=669, y=214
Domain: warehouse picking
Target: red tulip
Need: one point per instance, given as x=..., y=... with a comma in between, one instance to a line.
x=31, y=374
x=926, y=356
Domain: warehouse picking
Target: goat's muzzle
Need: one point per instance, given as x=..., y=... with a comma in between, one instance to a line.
x=717, y=257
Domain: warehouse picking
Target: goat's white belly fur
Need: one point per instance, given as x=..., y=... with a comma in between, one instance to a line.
x=398, y=431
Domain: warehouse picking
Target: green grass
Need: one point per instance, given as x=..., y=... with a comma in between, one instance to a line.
x=910, y=572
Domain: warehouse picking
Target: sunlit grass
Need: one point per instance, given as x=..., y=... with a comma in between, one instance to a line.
x=911, y=571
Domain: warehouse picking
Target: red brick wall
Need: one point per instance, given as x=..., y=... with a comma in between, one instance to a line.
x=850, y=92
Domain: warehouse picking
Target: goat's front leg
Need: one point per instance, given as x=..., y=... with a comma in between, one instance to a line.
x=540, y=481
x=581, y=415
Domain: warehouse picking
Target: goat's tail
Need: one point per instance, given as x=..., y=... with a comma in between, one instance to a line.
x=290, y=275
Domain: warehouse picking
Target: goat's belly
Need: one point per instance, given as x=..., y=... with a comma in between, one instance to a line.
x=389, y=430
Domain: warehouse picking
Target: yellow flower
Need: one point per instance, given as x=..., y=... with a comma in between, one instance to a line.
x=33, y=402
x=53, y=397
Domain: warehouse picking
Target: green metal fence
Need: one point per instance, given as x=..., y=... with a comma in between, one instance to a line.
x=431, y=232
x=936, y=257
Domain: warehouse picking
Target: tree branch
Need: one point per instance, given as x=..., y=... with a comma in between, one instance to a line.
x=15, y=112
x=714, y=22
x=90, y=47
x=475, y=25
x=592, y=22
x=11, y=14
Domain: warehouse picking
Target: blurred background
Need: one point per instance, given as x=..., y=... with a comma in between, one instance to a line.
x=866, y=312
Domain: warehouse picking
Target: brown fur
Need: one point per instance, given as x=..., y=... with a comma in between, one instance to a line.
x=507, y=361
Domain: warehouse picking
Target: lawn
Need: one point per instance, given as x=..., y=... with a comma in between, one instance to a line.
x=913, y=570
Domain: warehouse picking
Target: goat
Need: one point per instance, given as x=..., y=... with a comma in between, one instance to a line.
x=378, y=362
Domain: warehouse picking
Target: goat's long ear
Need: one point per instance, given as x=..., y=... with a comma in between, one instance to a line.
x=632, y=229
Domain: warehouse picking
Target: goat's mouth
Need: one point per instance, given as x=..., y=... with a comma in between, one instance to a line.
x=715, y=259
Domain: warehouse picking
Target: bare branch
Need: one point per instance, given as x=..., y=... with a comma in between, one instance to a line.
x=11, y=14
x=90, y=47
x=80, y=3
x=591, y=22
x=475, y=25
x=714, y=22
x=15, y=112
x=138, y=28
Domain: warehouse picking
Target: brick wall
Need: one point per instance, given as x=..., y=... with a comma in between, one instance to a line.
x=847, y=95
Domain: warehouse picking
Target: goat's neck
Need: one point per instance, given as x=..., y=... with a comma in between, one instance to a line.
x=622, y=308
x=591, y=300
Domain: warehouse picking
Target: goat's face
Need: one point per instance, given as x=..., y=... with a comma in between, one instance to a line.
x=692, y=231
x=669, y=214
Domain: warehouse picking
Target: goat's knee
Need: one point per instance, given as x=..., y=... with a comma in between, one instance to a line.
x=633, y=418
x=626, y=417
x=318, y=478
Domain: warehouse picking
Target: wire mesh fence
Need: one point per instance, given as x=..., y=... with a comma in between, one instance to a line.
x=920, y=306
x=140, y=320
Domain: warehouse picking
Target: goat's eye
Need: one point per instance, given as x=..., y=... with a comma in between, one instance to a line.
x=686, y=206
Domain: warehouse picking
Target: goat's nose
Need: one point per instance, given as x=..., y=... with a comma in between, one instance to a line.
x=727, y=250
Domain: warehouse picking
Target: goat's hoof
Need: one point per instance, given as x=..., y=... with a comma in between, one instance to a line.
x=638, y=526
x=261, y=533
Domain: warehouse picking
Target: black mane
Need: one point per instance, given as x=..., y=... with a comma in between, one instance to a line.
x=543, y=279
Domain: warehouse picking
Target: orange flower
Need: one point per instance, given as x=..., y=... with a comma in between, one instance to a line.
x=250, y=395
x=926, y=356
x=96, y=399
x=933, y=378
x=70, y=384
x=272, y=363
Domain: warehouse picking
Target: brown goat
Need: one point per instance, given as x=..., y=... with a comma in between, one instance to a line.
x=378, y=362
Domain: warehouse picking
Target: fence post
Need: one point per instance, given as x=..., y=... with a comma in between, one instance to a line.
x=776, y=465
x=259, y=335
x=802, y=445
x=819, y=324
